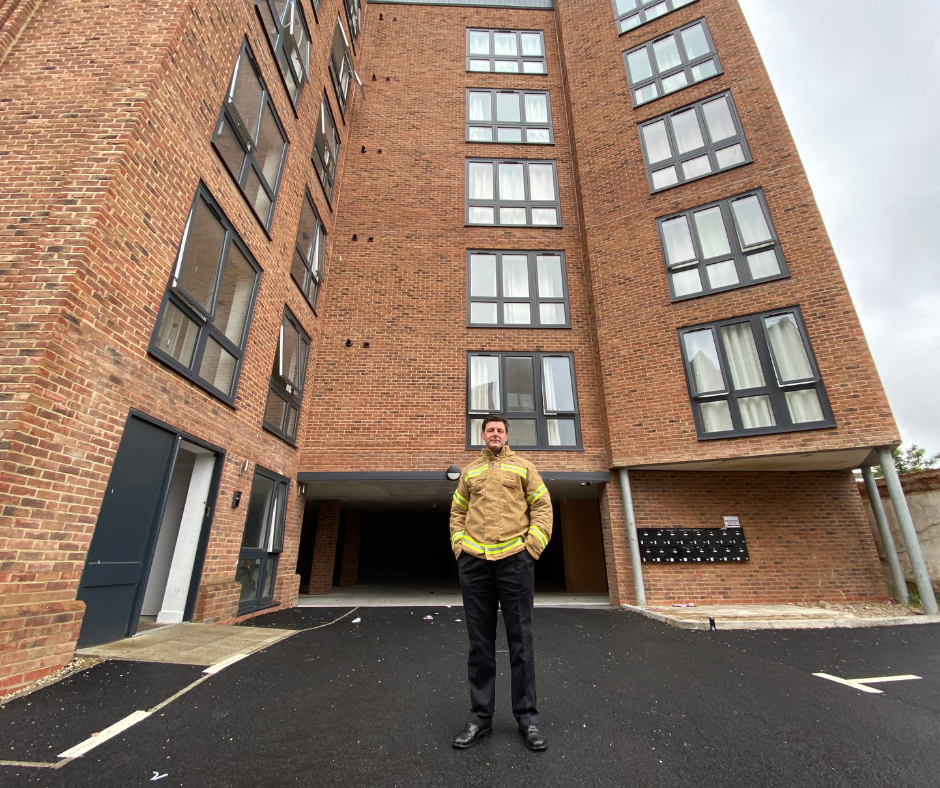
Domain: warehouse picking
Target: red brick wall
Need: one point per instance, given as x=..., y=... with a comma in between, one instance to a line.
x=324, y=548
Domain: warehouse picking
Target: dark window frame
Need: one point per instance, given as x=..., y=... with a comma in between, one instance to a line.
x=640, y=12
x=687, y=66
x=738, y=254
x=326, y=174
x=314, y=269
x=520, y=59
x=523, y=125
x=538, y=414
x=259, y=601
x=771, y=388
x=496, y=203
x=354, y=29
x=203, y=319
x=284, y=43
x=292, y=393
x=533, y=300
x=342, y=96
x=709, y=149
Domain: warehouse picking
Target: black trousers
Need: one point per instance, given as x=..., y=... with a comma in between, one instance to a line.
x=511, y=583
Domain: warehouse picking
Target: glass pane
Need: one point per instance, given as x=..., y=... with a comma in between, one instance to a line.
x=479, y=65
x=716, y=416
x=238, y=281
x=561, y=432
x=704, y=70
x=539, y=136
x=663, y=178
x=480, y=134
x=675, y=82
x=544, y=216
x=741, y=352
x=269, y=575
x=230, y=149
x=306, y=230
x=624, y=6
x=509, y=135
x=520, y=384
x=687, y=131
x=257, y=196
x=533, y=67
x=504, y=44
x=678, y=240
x=290, y=353
x=536, y=108
x=522, y=432
x=532, y=44
x=270, y=147
x=483, y=312
x=484, y=383
x=515, y=276
x=517, y=314
x=697, y=167
x=703, y=361
x=756, y=412
x=722, y=274
x=511, y=186
x=480, y=215
x=247, y=574
x=804, y=406
x=686, y=282
x=749, y=217
x=507, y=66
x=292, y=418
x=654, y=11
x=479, y=42
x=201, y=257
x=480, y=180
x=695, y=42
x=558, y=385
x=647, y=93
x=657, y=142
x=638, y=63
x=542, y=182
x=259, y=511
x=508, y=108
x=667, y=55
x=718, y=119
x=483, y=275
x=512, y=215
x=274, y=410
x=790, y=358
x=247, y=95
x=763, y=264
x=298, y=270
x=711, y=233
x=177, y=335
x=629, y=23
x=549, y=276
x=479, y=106
x=476, y=427
x=217, y=367
x=728, y=157
x=276, y=541
x=552, y=314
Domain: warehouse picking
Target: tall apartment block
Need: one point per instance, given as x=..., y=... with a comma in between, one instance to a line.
x=266, y=264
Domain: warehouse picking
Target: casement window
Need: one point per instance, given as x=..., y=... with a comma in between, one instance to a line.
x=262, y=540
x=202, y=327
x=720, y=246
x=693, y=142
x=286, y=389
x=340, y=66
x=501, y=192
x=289, y=38
x=506, y=51
x=326, y=148
x=753, y=375
x=509, y=116
x=633, y=13
x=250, y=138
x=674, y=61
x=535, y=392
x=353, y=19
x=517, y=289
x=309, y=250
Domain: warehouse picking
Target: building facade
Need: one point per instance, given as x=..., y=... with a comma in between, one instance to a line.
x=268, y=263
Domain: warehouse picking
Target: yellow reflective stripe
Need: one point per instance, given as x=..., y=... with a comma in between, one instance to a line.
x=455, y=536
x=521, y=471
x=462, y=502
x=475, y=472
x=536, y=495
x=493, y=549
x=539, y=535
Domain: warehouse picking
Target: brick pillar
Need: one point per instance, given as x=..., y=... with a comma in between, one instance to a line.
x=616, y=546
x=349, y=566
x=324, y=548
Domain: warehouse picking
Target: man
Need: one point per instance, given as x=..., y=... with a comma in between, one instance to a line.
x=500, y=521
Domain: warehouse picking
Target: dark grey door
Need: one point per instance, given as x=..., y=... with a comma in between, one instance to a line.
x=127, y=524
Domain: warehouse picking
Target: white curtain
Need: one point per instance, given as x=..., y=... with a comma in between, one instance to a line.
x=789, y=354
x=484, y=383
x=556, y=380
x=541, y=182
x=702, y=354
x=480, y=106
x=716, y=416
x=718, y=119
x=743, y=361
x=481, y=181
x=667, y=53
x=536, y=108
x=756, y=412
x=711, y=233
x=696, y=45
x=687, y=131
x=515, y=276
x=549, y=276
x=804, y=406
x=749, y=217
x=483, y=275
x=505, y=44
x=510, y=182
x=657, y=142
x=677, y=240
x=639, y=64
x=532, y=45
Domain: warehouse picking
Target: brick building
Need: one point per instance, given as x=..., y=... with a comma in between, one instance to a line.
x=267, y=264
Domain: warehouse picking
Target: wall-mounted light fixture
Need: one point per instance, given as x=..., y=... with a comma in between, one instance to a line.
x=243, y=468
x=453, y=472
x=301, y=489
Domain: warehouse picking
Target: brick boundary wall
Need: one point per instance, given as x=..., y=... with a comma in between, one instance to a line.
x=217, y=603
x=36, y=640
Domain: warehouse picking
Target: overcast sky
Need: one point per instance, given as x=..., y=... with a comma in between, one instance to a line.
x=858, y=82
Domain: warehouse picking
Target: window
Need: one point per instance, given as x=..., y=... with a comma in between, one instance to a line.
x=633, y=13
x=677, y=60
x=512, y=193
x=692, y=142
x=353, y=19
x=518, y=289
x=262, y=540
x=509, y=116
x=340, y=66
x=202, y=327
x=753, y=375
x=720, y=246
x=286, y=389
x=250, y=139
x=289, y=39
x=326, y=148
x=535, y=392
x=309, y=249
x=506, y=51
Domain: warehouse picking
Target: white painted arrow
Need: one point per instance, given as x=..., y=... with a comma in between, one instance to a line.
x=860, y=684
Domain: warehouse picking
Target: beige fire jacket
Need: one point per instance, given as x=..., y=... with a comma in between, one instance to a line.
x=501, y=506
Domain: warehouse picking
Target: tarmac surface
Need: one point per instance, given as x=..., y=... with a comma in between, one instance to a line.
x=625, y=701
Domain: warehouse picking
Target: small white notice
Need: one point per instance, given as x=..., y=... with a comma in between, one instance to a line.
x=732, y=522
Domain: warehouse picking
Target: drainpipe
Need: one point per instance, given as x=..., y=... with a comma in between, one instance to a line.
x=891, y=552
x=631, y=537
x=908, y=534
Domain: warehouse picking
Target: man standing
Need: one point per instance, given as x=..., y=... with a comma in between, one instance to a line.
x=500, y=521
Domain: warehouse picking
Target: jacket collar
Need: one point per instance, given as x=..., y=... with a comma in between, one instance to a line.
x=504, y=454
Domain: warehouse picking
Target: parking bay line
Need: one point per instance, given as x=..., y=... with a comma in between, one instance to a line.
x=862, y=684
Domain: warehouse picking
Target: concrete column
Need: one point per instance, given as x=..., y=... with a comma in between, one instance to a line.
x=908, y=534
x=352, y=536
x=635, y=562
x=884, y=529
x=324, y=548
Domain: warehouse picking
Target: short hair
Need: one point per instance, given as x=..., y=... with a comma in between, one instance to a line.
x=494, y=417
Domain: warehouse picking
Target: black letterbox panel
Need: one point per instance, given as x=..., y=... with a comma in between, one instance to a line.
x=692, y=545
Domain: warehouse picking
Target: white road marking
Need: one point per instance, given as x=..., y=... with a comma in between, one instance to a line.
x=212, y=669
x=102, y=736
x=861, y=684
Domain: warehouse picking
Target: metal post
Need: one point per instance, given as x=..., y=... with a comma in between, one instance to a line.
x=631, y=538
x=908, y=534
x=891, y=552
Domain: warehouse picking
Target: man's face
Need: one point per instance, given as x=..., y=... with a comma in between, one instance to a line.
x=495, y=436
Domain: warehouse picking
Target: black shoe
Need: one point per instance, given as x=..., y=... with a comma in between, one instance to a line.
x=534, y=740
x=471, y=735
